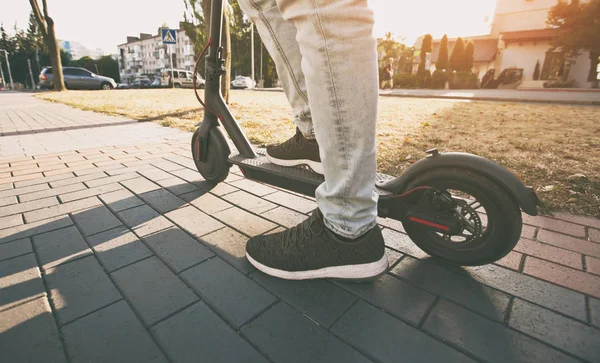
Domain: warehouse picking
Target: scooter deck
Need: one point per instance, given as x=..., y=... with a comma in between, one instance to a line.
x=297, y=179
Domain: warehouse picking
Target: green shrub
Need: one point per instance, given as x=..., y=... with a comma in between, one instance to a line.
x=438, y=79
x=560, y=84
x=423, y=79
x=405, y=80
x=463, y=80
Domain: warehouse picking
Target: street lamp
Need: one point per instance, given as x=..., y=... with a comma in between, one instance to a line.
x=12, y=86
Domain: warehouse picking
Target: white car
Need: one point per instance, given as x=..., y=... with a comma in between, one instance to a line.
x=242, y=83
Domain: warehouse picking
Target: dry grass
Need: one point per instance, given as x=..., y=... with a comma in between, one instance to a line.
x=545, y=144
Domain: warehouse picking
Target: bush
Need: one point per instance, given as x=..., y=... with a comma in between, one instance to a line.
x=463, y=80
x=423, y=79
x=405, y=80
x=439, y=79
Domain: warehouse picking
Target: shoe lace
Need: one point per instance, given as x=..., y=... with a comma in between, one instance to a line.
x=298, y=234
x=293, y=142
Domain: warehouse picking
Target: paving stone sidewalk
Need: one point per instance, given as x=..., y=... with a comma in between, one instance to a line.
x=122, y=253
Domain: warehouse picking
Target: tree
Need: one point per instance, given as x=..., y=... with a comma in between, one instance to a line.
x=579, y=29
x=536, y=72
x=442, y=61
x=427, y=47
x=469, y=57
x=198, y=14
x=46, y=26
x=457, y=59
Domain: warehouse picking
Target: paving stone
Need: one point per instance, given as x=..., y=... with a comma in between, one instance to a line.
x=155, y=174
x=44, y=180
x=528, y=231
x=387, y=339
x=194, y=221
x=103, y=189
x=8, y=201
x=188, y=174
x=120, y=200
x=16, y=179
x=153, y=290
x=6, y=186
x=284, y=335
x=244, y=221
x=572, y=336
x=29, y=334
x=595, y=312
x=441, y=281
x=96, y=182
x=11, y=221
x=15, y=248
x=232, y=294
x=51, y=192
x=288, y=200
x=221, y=189
x=20, y=280
x=118, y=247
x=253, y=187
x=550, y=253
x=31, y=229
x=167, y=165
x=395, y=296
x=95, y=219
x=206, y=202
x=391, y=223
x=403, y=243
x=75, y=180
x=27, y=206
x=112, y=334
x=320, y=300
x=78, y=288
x=489, y=341
x=563, y=276
x=570, y=243
x=60, y=246
x=555, y=225
x=177, y=249
x=393, y=256
x=58, y=210
x=198, y=332
x=34, y=169
x=284, y=216
x=594, y=234
x=143, y=220
x=593, y=265
x=587, y=221
x=162, y=200
x=24, y=190
x=249, y=202
x=230, y=246
x=140, y=185
x=511, y=261
x=177, y=186
x=529, y=288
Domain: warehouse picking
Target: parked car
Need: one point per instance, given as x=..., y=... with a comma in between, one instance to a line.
x=142, y=82
x=77, y=78
x=242, y=82
x=181, y=79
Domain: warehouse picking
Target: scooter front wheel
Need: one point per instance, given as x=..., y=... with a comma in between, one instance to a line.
x=214, y=168
x=492, y=219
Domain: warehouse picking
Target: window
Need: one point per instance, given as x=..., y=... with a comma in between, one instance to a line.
x=182, y=75
x=555, y=66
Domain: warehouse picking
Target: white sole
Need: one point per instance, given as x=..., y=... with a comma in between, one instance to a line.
x=314, y=165
x=348, y=272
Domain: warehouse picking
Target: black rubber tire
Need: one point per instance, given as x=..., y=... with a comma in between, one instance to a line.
x=177, y=85
x=216, y=167
x=104, y=88
x=504, y=220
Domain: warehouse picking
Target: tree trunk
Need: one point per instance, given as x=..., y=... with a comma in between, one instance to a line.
x=226, y=44
x=593, y=73
x=55, y=61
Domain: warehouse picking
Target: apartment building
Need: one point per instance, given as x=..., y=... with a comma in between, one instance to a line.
x=147, y=55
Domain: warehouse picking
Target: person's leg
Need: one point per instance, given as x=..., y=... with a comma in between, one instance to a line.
x=339, y=61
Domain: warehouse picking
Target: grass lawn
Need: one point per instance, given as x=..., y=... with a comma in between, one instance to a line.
x=556, y=149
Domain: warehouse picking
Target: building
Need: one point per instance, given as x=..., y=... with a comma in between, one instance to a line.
x=520, y=38
x=148, y=55
x=77, y=50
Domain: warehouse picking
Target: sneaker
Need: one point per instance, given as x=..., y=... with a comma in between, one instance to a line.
x=296, y=151
x=310, y=251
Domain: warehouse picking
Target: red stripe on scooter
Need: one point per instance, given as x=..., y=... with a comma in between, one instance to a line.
x=430, y=224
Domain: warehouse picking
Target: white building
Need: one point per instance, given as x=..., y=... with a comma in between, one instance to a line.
x=77, y=50
x=522, y=38
x=147, y=54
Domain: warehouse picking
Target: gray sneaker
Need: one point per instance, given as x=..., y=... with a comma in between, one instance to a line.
x=311, y=251
x=295, y=152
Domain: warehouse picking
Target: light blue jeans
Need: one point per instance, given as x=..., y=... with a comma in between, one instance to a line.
x=326, y=58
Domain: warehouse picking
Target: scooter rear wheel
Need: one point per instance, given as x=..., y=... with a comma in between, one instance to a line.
x=485, y=204
x=216, y=167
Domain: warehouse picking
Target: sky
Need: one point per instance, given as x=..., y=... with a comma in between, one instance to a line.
x=105, y=24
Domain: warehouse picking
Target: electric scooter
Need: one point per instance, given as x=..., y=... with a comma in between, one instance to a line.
x=459, y=208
